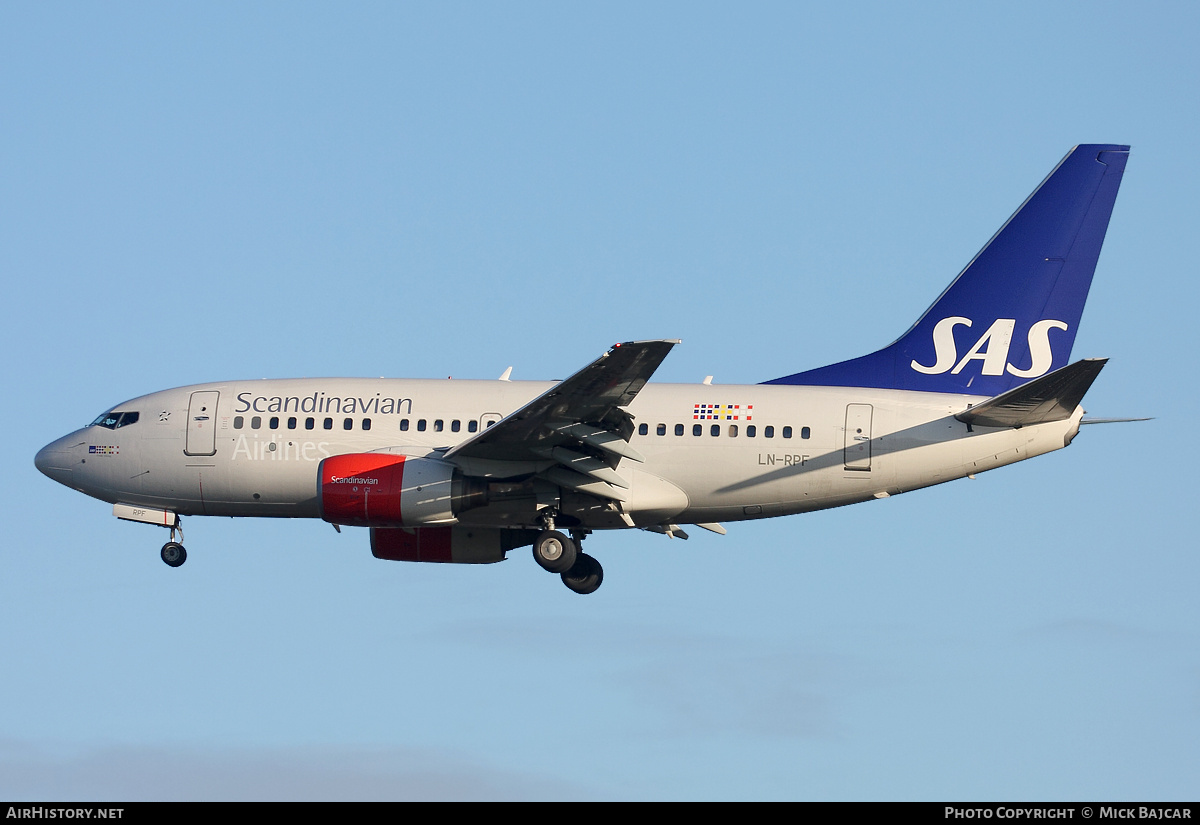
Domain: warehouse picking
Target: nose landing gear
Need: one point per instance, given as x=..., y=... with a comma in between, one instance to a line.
x=173, y=553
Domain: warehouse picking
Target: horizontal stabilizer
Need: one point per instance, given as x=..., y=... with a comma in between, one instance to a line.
x=1052, y=397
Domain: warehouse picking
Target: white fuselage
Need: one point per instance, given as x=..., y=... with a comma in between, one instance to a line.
x=713, y=452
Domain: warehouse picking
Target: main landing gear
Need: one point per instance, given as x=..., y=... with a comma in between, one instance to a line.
x=556, y=553
x=173, y=553
x=585, y=576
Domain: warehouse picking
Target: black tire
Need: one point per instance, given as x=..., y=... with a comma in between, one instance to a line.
x=173, y=554
x=554, y=551
x=586, y=576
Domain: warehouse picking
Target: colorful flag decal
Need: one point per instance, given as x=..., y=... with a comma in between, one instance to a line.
x=723, y=412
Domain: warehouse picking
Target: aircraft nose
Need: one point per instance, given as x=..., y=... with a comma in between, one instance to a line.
x=54, y=461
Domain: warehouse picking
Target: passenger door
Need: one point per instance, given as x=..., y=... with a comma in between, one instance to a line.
x=202, y=423
x=858, y=437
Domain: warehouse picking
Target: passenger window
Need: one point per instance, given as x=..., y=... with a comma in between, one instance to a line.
x=366, y=423
x=472, y=426
x=678, y=429
x=310, y=423
x=421, y=425
x=455, y=425
x=328, y=423
x=768, y=432
x=274, y=422
x=697, y=429
x=292, y=423
x=256, y=422
x=238, y=421
x=437, y=426
x=751, y=431
x=643, y=429
x=490, y=423
x=805, y=432
x=715, y=430
x=662, y=429
x=787, y=432
x=733, y=430
x=348, y=424
x=403, y=425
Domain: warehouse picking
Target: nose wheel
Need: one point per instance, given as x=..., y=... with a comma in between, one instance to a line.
x=173, y=554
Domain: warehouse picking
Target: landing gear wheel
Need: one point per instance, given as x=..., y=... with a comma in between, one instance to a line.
x=173, y=553
x=586, y=576
x=554, y=552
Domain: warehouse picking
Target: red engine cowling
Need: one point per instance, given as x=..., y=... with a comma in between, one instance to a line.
x=382, y=490
x=456, y=545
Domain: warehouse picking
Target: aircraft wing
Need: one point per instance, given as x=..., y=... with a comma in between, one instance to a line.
x=576, y=432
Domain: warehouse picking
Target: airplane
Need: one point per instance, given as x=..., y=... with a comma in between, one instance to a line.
x=466, y=471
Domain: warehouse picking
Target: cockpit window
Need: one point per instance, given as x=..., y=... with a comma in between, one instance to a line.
x=115, y=420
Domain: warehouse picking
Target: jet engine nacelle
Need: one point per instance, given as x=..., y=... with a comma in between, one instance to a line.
x=385, y=490
x=457, y=545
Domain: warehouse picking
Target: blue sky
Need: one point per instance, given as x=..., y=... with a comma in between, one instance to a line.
x=196, y=192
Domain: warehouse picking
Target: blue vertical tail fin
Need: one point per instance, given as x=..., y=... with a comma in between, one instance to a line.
x=1011, y=315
